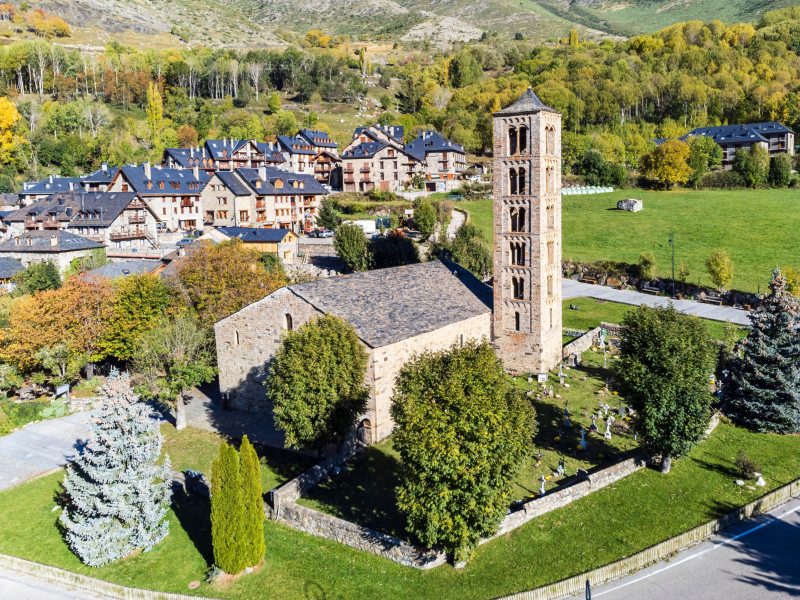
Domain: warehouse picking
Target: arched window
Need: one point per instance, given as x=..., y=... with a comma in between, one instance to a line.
x=518, y=285
x=523, y=140
x=512, y=141
x=287, y=322
x=512, y=182
x=517, y=217
x=550, y=139
x=551, y=216
x=549, y=285
x=521, y=187
x=550, y=180
x=518, y=254
x=551, y=252
x=551, y=318
x=516, y=321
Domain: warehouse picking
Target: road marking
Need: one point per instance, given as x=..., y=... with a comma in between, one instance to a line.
x=701, y=553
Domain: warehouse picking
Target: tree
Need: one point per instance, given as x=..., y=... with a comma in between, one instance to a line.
x=316, y=383
x=573, y=38
x=273, y=103
x=155, y=112
x=462, y=432
x=471, y=250
x=752, y=164
x=393, y=250
x=765, y=394
x=350, y=244
x=64, y=364
x=139, y=302
x=780, y=171
x=252, y=495
x=792, y=278
x=285, y=123
x=117, y=492
x=464, y=69
x=219, y=279
x=704, y=154
x=646, y=266
x=187, y=136
x=172, y=357
x=327, y=216
x=94, y=259
x=228, y=512
x=425, y=218
x=37, y=278
x=720, y=268
x=665, y=361
x=9, y=140
x=666, y=165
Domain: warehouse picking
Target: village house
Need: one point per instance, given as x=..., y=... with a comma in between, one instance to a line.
x=172, y=194
x=396, y=312
x=100, y=180
x=328, y=169
x=225, y=198
x=228, y=154
x=8, y=268
x=389, y=134
x=57, y=246
x=376, y=164
x=33, y=191
x=320, y=141
x=298, y=154
x=120, y=220
x=283, y=243
x=442, y=161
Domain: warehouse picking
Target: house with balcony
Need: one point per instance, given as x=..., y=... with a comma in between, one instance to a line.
x=328, y=169
x=298, y=154
x=226, y=198
x=378, y=165
x=281, y=242
x=174, y=195
x=39, y=190
x=57, y=246
x=320, y=141
x=442, y=161
x=388, y=134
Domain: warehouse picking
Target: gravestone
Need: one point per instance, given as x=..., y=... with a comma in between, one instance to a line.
x=574, y=359
x=630, y=204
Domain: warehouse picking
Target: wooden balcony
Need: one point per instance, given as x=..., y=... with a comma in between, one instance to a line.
x=130, y=234
x=136, y=220
x=31, y=224
x=261, y=204
x=137, y=205
x=50, y=224
x=364, y=170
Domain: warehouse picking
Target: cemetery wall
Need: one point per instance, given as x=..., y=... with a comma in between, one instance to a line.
x=583, y=343
x=613, y=329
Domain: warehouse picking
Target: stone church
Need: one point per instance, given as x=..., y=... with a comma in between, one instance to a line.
x=402, y=311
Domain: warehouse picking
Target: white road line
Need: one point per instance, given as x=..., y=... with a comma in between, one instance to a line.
x=688, y=558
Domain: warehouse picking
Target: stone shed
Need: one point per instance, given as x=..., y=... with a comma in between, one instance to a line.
x=397, y=312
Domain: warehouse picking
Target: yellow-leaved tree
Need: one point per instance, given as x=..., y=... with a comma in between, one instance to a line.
x=667, y=165
x=9, y=117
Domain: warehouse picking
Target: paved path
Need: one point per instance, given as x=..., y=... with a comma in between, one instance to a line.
x=756, y=560
x=41, y=447
x=575, y=289
x=456, y=220
x=15, y=586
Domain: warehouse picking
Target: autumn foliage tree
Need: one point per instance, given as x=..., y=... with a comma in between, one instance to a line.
x=9, y=117
x=667, y=165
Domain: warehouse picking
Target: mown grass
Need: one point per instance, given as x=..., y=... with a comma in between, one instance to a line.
x=756, y=227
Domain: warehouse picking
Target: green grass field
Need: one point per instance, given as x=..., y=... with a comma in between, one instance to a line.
x=617, y=521
x=756, y=227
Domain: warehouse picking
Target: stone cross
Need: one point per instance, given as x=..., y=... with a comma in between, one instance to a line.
x=561, y=470
x=541, y=489
x=583, y=439
x=607, y=434
x=594, y=424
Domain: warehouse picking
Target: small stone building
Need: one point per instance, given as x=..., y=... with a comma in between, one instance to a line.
x=396, y=312
x=59, y=247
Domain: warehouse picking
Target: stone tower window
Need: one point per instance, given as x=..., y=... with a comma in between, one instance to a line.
x=549, y=285
x=551, y=252
x=287, y=322
x=551, y=180
x=521, y=177
x=512, y=182
x=523, y=140
x=551, y=317
x=518, y=253
x=550, y=139
x=551, y=216
x=516, y=321
x=517, y=219
x=518, y=285
x=512, y=141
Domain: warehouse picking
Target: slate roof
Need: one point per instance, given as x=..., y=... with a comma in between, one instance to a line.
x=94, y=209
x=389, y=305
x=41, y=242
x=51, y=185
x=394, y=131
x=295, y=145
x=136, y=177
x=431, y=141
x=310, y=185
x=364, y=150
x=9, y=267
x=528, y=103
x=270, y=151
x=121, y=269
x=101, y=176
x=742, y=134
x=181, y=155
x=215, y=148
x=252, y=234
x=317, y=138
x=233, y=183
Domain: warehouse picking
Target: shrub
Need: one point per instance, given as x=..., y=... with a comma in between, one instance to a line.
x=646, y=266
x=747, y=466
x=780, y=171
x=350, y=244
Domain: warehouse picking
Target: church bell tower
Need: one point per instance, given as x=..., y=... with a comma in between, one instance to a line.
x=526, y=326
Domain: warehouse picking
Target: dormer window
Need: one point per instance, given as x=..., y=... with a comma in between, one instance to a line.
x=161, y=185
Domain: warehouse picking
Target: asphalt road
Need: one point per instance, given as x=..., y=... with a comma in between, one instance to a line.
x=14, y=586
x=756, y=560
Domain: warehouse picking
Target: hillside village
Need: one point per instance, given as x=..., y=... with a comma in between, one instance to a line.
x=436, y=311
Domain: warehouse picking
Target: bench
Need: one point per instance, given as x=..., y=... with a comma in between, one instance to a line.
x=648, y=289
x=588, y=279
x=713, y=300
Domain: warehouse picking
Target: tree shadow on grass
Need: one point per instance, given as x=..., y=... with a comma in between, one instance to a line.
x=194, y=514
x=726, y=470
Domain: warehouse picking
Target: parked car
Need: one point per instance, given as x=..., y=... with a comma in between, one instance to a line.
x=326, y=233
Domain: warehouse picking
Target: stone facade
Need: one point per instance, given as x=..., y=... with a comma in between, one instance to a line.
x=527, y=235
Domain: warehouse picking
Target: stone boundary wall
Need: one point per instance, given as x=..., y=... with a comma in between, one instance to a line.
x=581, y=344
x=621, y=568
x=613, y=329
x=84, y=582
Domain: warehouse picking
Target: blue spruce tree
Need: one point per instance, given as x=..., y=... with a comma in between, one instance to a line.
x=118, y=494
x=766, y=368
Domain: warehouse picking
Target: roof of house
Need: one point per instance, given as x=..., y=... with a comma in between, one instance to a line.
x=127, y=267
x=51, y=185
x=395, y=132
x=233, y=183
x=9, y=267
x=364, y=150
x=95, y=209
x=182, y=178
x=101, y=175
x=253, y=234
x=431, y=141
x=389, y=305
x=43, y=241
x=270, y=151
x=527, y=103
x=318, y=138
x=295, y=145
x=223, y=149
x=740, y=134
x=267, y=187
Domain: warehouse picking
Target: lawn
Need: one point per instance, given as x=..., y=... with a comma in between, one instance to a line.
x=756, y=227
x=617, y=521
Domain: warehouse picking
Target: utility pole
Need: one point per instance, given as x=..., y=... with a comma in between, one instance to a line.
x=672, y=243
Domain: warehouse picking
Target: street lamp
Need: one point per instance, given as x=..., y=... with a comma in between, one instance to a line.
x=672, y=243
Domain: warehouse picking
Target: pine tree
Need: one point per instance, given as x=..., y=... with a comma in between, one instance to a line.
x=766, y=370
x=253, y=504
x=118, y=495
x=227, y=511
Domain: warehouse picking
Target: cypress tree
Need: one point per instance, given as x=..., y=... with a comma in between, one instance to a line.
x=253, y=504
x=227, y=511
x=118, y=495
x=766, y=366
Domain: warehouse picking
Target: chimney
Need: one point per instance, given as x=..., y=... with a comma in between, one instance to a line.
x=262, y=173
x=191, y=151
x=147, y=172
x=196, y=172
x=51, y=179
x=17, y=241
x=71, y=185
x=104, y=167
x=54, y=240
x=224, y=141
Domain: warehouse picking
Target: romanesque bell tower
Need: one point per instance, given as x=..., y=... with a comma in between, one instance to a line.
x=527, y=235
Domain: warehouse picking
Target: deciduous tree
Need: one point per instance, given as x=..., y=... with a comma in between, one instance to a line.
x=350, y=244
x=666, y=165
x=720, y=268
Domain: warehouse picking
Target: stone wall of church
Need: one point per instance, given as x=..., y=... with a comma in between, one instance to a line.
x=247, y=340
